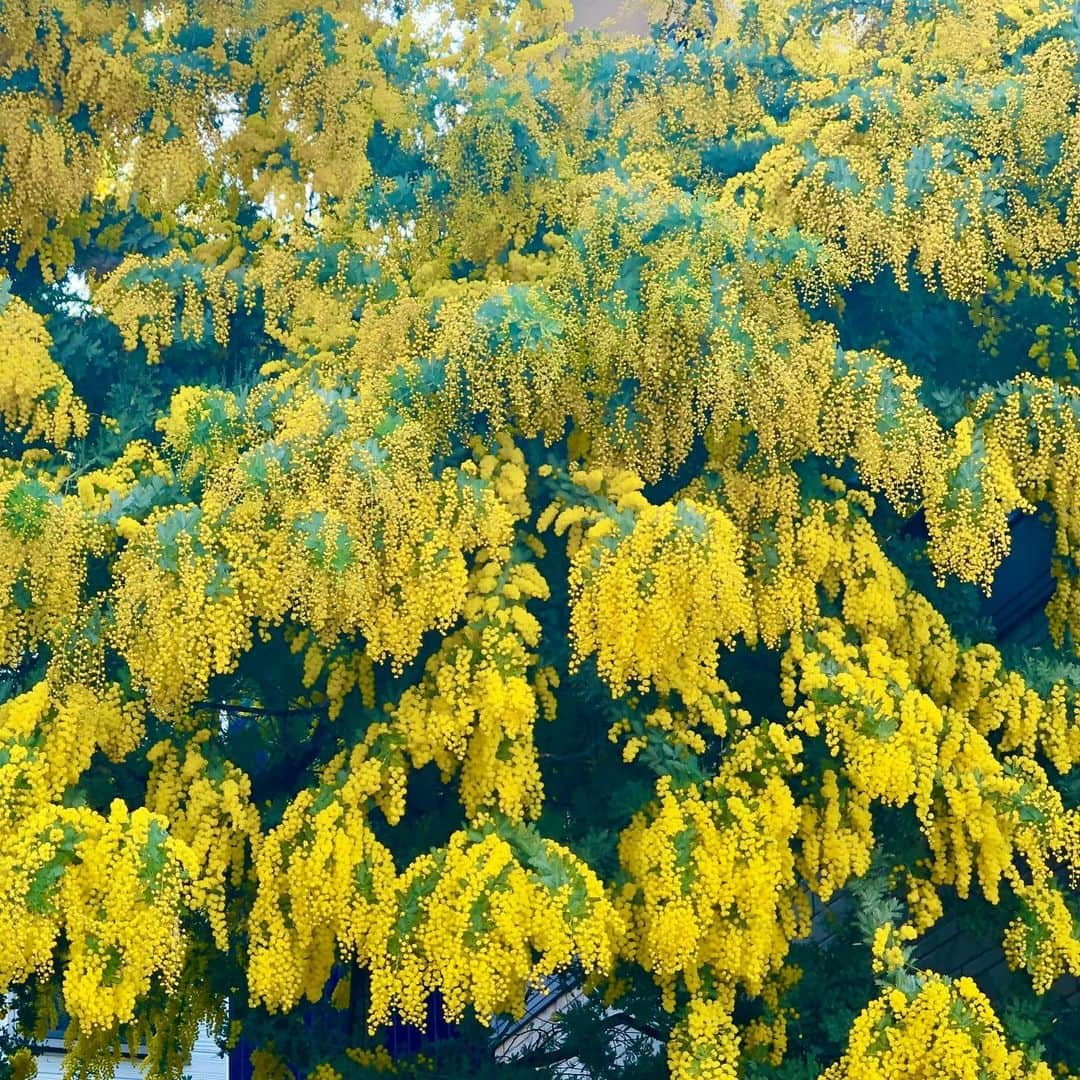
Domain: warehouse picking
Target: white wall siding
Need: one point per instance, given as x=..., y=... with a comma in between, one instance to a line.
x=206, y=1063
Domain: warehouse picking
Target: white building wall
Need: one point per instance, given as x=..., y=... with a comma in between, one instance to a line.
x=206, y=1063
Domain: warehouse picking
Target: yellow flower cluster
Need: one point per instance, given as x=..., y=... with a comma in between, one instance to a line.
x=375, y=546
x=48, y=738
x=943, y=1029
x=100, y=490
x=884, y=730
x=210, y=810
x=23, y=1064
x=766, y=1036
x=990, y=824
x=1043, y=940
x=911, y=717
x=121, y=911
x=483, y=920
x=113, y=886
x=148, y=312
x=653, y=598
x=30, y=934
x=377, y=1060
x=900, y=462
x=476, y=705
x=716, y=711
x=705, y=1043
x=46, y=541
x=324, y=884
x=345, y=672
x=201, y=429
x=1032, y=433
x=37, y=399
x=1017, y=448
x=266, y=1065
x=712, y=885
x=923, y=903
x=889, y=949
x=178, y=619
x=157, y=142
x=836, y=835
x=888, y=188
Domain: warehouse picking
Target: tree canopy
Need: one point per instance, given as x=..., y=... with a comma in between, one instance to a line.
x=482, y=503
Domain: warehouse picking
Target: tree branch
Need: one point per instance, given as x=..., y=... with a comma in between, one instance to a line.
x=537, y=1059
x=625, y=1019
x=255, y=710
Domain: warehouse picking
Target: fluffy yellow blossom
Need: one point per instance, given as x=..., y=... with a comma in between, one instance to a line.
x=483, y=920
x=476, y=706
x=712, y=885
x=1044, y=939
x=37, y=399
x=655, y=605
x=945, y=1029
x=705, y=1044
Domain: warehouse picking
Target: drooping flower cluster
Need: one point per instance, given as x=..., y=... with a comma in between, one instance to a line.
x=944, y=1028
x=484, y=920
x=712, y=889
x=37, y=399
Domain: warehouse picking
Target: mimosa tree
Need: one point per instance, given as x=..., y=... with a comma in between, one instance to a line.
x=480, y=502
